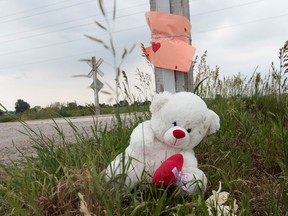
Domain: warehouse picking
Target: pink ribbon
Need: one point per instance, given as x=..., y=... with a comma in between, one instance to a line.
x=180, y=178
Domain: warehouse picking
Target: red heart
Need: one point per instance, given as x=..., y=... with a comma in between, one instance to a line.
x=155, y=46
x=164, y=174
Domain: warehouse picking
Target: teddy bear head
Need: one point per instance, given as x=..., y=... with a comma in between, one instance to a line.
x=182, y=120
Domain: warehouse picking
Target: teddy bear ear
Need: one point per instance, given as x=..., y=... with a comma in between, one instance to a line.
x=214, y=124
x=159, y=100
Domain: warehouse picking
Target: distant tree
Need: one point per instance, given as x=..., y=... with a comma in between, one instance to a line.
x=123, y=103
x=56, y=105
x=36, y=108
x=1, y=112
x=146, y=103
x=104, y=105
x=21, y=106
x=80, y=107
x=72, y=105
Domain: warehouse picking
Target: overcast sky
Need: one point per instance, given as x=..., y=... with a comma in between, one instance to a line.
x=41, y=43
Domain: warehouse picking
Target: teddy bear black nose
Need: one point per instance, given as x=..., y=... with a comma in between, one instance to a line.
x=178, y=134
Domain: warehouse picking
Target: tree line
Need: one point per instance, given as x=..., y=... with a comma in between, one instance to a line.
x=68, y=109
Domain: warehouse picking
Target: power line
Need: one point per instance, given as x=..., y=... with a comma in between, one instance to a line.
x=32, y=9
x=13, y=14
x=49, y=11
x=75, y=20
x=52, y=10
x=142, y=26
x=49, y=60
x=226, y=8
x=58, y=58
x=63, y=57
x=199, y=14
x=40, y=34
x=65, y=42
x=45, y=33
x=49, y=32
x=199, y=32
x=59, y=30
x=243, y=23
x=42, y=27
x=40, y=47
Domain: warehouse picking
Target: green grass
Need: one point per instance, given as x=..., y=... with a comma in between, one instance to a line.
x=252, y=152
x=249, y=155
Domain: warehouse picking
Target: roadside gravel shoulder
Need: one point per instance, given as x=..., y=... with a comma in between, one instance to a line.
x=12, y=135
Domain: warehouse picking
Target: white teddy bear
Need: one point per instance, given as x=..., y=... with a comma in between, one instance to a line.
x=179, y=122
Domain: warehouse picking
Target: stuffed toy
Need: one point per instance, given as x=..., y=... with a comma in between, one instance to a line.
x=161, y=149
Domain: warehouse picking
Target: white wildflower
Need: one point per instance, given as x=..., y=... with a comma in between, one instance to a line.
x=216, y=203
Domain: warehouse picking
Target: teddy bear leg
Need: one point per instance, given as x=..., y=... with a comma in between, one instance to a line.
x=124, y=168
x=193, y=182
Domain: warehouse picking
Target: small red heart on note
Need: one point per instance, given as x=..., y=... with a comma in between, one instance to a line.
x=155, y=46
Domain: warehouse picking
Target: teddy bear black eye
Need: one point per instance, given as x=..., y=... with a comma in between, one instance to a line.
x=189, y=130
x=174, y=123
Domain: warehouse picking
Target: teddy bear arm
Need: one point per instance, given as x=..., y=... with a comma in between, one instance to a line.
x=142, y=137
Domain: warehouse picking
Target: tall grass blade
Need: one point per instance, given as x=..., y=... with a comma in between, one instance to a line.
x=160, y=204
x=112, y=47
x=114, y=10
x=101, y=26
x=94, y=38
x=132, y=48
x=124, y=53
x=100, y=2
x=196, y=88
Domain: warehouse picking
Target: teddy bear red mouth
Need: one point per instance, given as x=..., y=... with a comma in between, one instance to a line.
x=176, y=143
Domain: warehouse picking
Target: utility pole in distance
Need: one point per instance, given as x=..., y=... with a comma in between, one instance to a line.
x=169, y=80
x=96, y=91
x=96, y=85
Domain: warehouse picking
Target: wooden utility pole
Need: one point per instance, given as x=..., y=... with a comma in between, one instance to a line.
x=96, y=84
x=96, y=92
x=169, y=80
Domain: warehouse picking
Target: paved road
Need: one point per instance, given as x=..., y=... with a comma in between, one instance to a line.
x=11, y=136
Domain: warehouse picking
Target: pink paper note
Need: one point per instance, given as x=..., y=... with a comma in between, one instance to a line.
x=170, y=48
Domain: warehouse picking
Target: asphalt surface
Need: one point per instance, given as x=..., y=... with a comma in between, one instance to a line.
x=14, y=136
